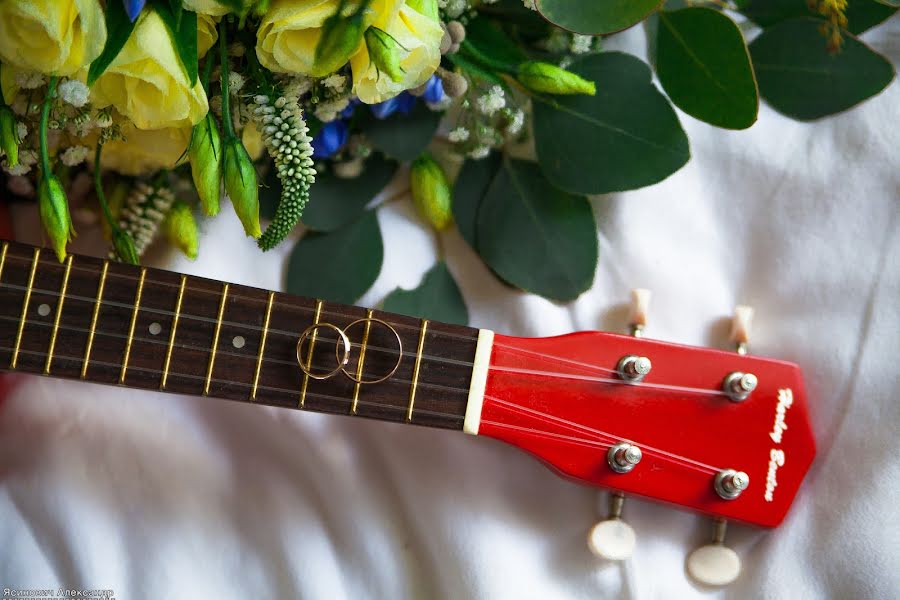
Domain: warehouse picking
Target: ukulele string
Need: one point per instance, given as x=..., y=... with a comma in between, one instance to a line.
x=292, y=393
x=588, y=441
x=597, y=433
x=391, y=351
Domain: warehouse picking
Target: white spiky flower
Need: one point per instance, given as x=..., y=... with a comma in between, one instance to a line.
x=143, y=213
x=280, y=121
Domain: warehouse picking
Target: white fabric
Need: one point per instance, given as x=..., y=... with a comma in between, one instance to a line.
x=157, y=496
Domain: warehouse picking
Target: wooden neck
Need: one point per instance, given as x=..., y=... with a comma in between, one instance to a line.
x=112, y=323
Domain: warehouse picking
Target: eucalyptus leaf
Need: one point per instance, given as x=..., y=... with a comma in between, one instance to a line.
x=404, y=137
x=437, y=298
x=338, y=266
x=535, y=236
x=625, y=137
x=800, y=78
x=335, y=201
x=183, y=32
x=703, y=65
x=492, y=41
x=471, y=184
x=595, y=17
x=118, y=29
x=861, y=14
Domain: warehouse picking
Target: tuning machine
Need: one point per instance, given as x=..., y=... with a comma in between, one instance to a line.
x=714, y=564
x=612, y=538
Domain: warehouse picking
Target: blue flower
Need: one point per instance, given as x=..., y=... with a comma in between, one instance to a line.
x=434, y=90
x=330, y=139
x=348, y=112
x=133, y=8
x=402, y=103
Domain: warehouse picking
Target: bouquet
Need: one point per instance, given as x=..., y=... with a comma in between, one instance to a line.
x=510, y=114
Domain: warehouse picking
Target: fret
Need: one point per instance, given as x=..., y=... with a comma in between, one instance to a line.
x=134, y=316
x=59, y=309
x=34, y=264
x=262, y=345
x=360, y=362
x=215, y=343
x=415, y=377
x=309, y=358
x=3, y=258
x=174, y=330
x=97, y=303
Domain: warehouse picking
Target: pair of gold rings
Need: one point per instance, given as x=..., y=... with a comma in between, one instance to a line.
x=342, y=351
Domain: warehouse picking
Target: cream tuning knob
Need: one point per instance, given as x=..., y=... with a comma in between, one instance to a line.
x=714, y=564
x=613, y=538
x=637, y=313
x=740, y=328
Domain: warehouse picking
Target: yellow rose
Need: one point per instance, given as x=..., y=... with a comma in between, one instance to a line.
x=253, y=141
x=147, y=83
x=56, y=37
x=207, y=34
x=207, y=7
x=421, y=38
x=145, y=151
x=289, y=33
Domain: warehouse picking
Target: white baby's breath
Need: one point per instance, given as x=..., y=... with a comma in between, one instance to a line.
x=460, y=134
x=74, y=92
x=74, y=155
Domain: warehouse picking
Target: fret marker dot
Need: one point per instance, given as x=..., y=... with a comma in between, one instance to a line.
x=155, y=328
x=238, y=341
x=44, y=310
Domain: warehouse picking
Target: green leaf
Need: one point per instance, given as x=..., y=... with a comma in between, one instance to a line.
x=437, y=298
x=470, y=187
x=184, y=38
x=492, y=41
x=474, y=69
x=704, y=67
x=335, y=201
x=535, y=236
x=338, y=266
x=801, y=79
x=861, y=14
x=596, y=17
x=625, y=137
x=118, y=28
x=403, y=137
x=177, y=8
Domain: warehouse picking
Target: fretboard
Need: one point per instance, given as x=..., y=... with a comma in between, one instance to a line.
x=107, y=322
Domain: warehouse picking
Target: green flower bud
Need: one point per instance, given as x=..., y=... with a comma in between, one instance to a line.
x=54, y=209
x=429, y=8
x=206, y=163
x=549, y=79
x=341, y=35
x=181, y=229
x=430, y=191
x=9, y=136
x=124, y=246
x=241, y=186
x=385, y=52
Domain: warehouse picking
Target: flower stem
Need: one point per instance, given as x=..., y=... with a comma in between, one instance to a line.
x=45, y=120
x=223, y=77
x=98, y=186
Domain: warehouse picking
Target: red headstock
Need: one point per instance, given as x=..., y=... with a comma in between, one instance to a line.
x=562, y=400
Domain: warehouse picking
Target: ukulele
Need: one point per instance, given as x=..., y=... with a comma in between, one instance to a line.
x=720, y=433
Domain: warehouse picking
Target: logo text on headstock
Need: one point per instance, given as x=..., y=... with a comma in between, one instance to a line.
x=776, y=456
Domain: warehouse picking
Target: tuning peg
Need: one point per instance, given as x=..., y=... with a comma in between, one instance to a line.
x=612, y=539
x=637, y=316
x=714, y=564
x=740, y=327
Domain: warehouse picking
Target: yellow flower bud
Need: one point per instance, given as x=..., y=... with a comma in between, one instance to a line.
x=339, y=40
x=545, y=78
x=9, y=136
x=54, y=209
x=241, y=185
x=181, y=229
x=430, y=191
x=385, y=52
x=124, y=246
x=206, y=163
